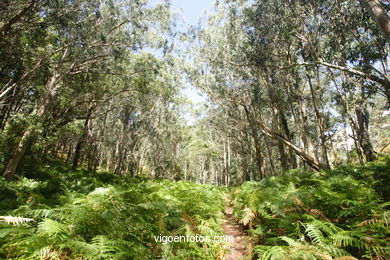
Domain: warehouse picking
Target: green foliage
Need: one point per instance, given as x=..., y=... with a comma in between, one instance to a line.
x=325, y=215
x=374, y=174
x=117, y=218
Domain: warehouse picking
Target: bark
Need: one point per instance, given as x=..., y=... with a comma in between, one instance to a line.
x=270, y=159
x=108, y=164
x=306, y=157
x=377, y=12
x=69, y=153
x=305, y=139
x=13, y=163
x=81, y=141
x=282, y=126
x=259, y=155
x=286, y=130
x=319, y=123
x=362, y=116
x=51, y=86
x=245, y=161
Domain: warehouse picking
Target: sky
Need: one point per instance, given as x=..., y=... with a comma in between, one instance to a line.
x=190, y=11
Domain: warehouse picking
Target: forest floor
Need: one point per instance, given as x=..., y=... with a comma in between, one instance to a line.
x=240, y=246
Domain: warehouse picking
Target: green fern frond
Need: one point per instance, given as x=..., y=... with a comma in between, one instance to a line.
x=81, y=247
x=270, y=252
x=46, y=253
x=315, y=234
x=104, y=246
x=52, y=227
x=290, y=241
x=343, y=239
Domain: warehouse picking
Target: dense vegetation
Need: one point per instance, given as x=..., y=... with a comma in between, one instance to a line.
x=101, y=149
x=101, y=216
x=303, y=215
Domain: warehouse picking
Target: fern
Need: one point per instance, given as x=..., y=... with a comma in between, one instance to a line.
x=52, y=227
x=15, y=220
x=315, y=234
x=309, y=213
x=247, y=216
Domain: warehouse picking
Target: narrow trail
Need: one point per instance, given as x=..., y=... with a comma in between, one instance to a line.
x=240, y=247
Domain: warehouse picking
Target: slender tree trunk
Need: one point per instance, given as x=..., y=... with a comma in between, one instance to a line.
x=270, y=159
x=362, y=116
x=52, y=86
x=13, y=163
x=80, y=142
x=284, y=125
x=261, y=167
x=306, y=140
x=313, y=162
x=355, y=138
x=108, y=163
x=284, y=158
x=69, y=153
x=319, y=122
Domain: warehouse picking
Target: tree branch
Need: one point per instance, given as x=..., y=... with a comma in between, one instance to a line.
x=7, y=27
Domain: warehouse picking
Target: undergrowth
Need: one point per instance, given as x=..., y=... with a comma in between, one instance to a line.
x=61, y=214
x=81, y=215
x=339, y=214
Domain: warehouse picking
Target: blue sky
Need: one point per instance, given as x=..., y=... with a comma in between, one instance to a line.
x=190, y=12
x=191, y=9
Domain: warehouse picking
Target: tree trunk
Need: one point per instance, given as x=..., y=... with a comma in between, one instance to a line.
x=284, y=125
x=362, y=116
x=306, y=140
x=319, y=121
x=270, y=159
x=259, y=155
x=281, y=126
x=13, y=163
x=51, y=86
x=306, y=157
x=377, y=12
x=81, y=141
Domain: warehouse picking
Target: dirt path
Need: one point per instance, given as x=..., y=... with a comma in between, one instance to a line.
x=240, y=247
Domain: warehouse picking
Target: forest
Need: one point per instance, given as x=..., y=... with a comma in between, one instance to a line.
x=285, y=149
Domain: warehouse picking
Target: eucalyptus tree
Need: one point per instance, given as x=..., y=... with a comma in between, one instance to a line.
x=79, y=40
x=282, y=63
x=135, y=127
x=21, y=33
x=235, y=82
x=379, y=15
x=324, y=38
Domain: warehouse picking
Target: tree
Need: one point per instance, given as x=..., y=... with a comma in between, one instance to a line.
x=281, y=63
x=378, y=13
x=81, y=38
